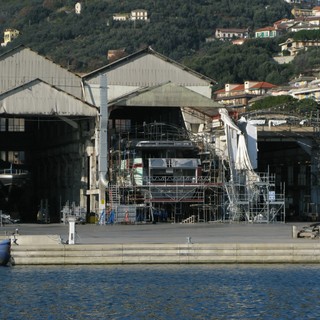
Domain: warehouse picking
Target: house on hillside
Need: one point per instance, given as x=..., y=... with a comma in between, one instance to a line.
x=302, y=25
x=305, y=87
x=295, y=46
x=293, y=1
x=267, y=32
x=301, y=12
x=301, y=81
x=120, y=17
x=313, y=20
x=283, y=24
x=232, y=95
x=9, y=35
x=310, y=92
x=139, y=14
x=258, y=88
x=316, y=11
x=241, y=94
x=114, y=55
x=231, y=33
x=77, y=8
x=302, y=87
x=135, y=15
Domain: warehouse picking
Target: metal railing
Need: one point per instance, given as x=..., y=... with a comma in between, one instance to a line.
x=181, y=180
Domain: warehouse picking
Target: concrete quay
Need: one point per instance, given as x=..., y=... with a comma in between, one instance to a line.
x=210, y=243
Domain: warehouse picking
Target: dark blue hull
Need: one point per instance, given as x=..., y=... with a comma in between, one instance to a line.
x=5, y=254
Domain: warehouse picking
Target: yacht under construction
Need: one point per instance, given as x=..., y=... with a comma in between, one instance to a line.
x=146, y=144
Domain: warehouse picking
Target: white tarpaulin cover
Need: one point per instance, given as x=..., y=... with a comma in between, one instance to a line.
x=242, y=158
x=237, y=148
x=227, y=120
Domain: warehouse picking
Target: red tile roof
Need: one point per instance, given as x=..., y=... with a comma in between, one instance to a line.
x=232, y=30
x=265, y=29
x=261, y=85
x=240, y=87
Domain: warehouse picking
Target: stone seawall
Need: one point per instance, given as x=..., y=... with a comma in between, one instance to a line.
x=62, y=254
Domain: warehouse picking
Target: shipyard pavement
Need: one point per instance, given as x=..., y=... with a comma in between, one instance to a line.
x=166, y=233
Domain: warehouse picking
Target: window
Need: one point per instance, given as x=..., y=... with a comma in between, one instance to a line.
x=3, y=155
x=16, y=157
x=3, y=125
x=16, y=125
x=122, y=125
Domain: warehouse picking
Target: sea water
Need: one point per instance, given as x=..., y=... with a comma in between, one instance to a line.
x=160, y=292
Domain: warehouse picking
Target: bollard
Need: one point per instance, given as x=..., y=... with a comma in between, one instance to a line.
x=294, y=232
x=72, y=229
x=189, y=241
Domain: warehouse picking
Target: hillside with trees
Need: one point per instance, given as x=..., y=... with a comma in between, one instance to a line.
x=177, y=29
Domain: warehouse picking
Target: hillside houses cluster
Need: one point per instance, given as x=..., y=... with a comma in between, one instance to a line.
x=241, y=95
x=134, y=15
x=237, y=95
x=298, y=23
x=304, y=19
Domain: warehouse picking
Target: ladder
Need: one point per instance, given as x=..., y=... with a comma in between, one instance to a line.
x=114, y=196
x=191, y=219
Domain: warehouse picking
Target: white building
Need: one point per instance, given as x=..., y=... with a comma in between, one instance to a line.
x=120, y=17
x=77, y=8
x=139, y=14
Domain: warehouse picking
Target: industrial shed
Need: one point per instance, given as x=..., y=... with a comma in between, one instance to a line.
x=140, y=137
x=21, y=65
x=51, y=128
x=47, y=131
x=143, y=69
x=157, y=109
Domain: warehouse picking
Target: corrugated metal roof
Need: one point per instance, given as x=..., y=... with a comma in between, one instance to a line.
x=165, y=95
x=40, y=98
x=21, y=65
x=157, y=70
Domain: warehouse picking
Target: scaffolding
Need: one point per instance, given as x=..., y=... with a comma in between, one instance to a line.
x=164, y=173
x=250, y=196
x=256, y=200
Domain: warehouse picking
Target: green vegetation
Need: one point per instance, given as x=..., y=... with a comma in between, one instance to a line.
x=177, y=29
x=235, y=64
x=305, y=107
x=306, y=35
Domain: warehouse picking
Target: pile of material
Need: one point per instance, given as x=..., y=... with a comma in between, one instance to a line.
x=6, y=219
x=311, y=231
